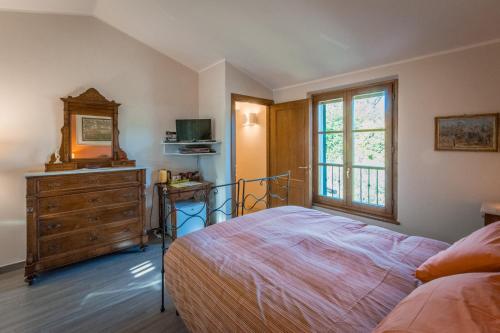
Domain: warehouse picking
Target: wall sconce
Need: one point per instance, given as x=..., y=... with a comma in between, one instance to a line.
x=251, y=119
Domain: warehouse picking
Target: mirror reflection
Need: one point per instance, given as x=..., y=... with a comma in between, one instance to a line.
x=91, y=137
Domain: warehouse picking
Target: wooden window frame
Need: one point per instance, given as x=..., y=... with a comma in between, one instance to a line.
x=389, y=212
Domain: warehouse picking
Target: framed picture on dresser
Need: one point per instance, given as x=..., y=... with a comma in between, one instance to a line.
x=94, y=130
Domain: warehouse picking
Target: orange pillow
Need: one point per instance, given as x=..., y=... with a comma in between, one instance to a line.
x=478, y=252
x=458, y=303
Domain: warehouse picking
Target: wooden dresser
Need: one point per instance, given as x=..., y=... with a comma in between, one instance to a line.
x=81, y=214
x=490, y=212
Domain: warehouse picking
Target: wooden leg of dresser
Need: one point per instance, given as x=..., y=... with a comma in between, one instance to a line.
x=29, y=279
x=29, y=273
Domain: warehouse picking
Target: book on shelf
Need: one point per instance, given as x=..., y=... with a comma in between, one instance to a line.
x=195, y=150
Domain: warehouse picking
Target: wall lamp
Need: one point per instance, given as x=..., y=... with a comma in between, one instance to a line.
x=250, y=119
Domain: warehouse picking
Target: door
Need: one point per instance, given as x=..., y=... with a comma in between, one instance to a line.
x=289, y=148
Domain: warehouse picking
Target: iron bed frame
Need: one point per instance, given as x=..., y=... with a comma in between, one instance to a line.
x=274, y=192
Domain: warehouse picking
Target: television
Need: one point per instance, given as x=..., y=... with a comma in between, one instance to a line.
x=191, y=130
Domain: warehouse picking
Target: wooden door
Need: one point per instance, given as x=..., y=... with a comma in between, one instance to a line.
x=289, y=147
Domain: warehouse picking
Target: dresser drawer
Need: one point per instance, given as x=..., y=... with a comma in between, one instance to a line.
x=98, y=236
x=67, y=203
x=73, y=182
x=90, y=218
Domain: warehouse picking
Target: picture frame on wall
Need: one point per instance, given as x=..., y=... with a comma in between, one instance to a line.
x=477, y=133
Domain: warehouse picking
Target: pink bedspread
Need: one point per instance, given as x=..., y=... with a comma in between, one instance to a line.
x=292, y=269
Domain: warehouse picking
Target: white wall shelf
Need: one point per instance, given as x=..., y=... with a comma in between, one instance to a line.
x=196, y=154
x=172, y=148
x=191, y=143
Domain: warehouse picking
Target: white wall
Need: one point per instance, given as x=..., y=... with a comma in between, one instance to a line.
x=212, y=103
x=216, y=84
x=439, y=193
x=45, y=57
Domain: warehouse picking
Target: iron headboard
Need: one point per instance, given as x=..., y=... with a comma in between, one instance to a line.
x=219, y=201
x=267, y=191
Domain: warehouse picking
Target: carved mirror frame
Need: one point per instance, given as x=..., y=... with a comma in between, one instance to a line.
x=91, y=102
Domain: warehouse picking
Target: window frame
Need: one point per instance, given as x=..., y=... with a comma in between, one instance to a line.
x=389, y=212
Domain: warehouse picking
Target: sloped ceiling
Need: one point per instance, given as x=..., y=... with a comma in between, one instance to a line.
x=285, y=42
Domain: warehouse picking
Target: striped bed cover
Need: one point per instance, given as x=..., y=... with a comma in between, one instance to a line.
x=292, y=269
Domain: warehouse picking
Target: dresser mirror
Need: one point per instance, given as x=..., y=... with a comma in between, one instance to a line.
x=89, y=134
x=91, y=137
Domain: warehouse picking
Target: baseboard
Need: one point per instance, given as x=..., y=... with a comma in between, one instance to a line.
x=11, y=267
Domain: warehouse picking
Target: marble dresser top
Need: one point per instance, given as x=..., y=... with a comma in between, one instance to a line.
x=492, y=208
x=80, y=171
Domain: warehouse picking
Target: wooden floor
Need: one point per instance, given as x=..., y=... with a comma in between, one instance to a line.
x=114, y=293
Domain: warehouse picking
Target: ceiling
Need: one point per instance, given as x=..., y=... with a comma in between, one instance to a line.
x=285, y=42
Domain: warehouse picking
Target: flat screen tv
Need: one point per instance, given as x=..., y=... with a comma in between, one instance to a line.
x=189, y=130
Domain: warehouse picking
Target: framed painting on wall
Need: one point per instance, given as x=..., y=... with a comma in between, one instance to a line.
x=467, y=133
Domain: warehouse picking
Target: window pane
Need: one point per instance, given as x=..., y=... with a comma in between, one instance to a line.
x=331, y=148
x=368, y=111
x=331, y=115
x=368, y=186
x=331, y=181
x=369, y=148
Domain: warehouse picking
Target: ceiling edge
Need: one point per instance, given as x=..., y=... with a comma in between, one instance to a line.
x=251, y=76
x=212, y=65
x=422, y=57
x=44, y=12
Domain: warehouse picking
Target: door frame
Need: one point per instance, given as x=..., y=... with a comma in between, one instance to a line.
x=247, y=99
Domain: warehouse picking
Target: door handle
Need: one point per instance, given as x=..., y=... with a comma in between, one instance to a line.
x=304, y=167
x=348, y=173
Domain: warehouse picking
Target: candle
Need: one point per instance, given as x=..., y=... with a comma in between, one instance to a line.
x=163, y=176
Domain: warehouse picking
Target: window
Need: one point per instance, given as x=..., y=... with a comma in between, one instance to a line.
x=354, y=150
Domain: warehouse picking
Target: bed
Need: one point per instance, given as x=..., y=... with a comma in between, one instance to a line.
x=292, y=269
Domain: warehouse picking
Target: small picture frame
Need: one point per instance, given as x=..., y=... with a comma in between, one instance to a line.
x=477, y=133
x=94, y=130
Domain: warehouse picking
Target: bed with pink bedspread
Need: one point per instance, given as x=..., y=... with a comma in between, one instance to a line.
x=292, y=269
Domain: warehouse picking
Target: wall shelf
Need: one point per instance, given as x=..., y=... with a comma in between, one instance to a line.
x=196, y=154
x=172, y=148
x=191, y=143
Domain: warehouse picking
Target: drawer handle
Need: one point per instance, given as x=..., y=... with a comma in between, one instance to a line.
x=54, y=226
x=93, y=238
x=54, y=248
x=93, y=218
x=54, y=184
x=93, y=180
x=94, y=200
x=52, y=206
x=128, y=213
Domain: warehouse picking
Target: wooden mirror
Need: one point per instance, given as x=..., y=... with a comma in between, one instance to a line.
x=89, y=135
